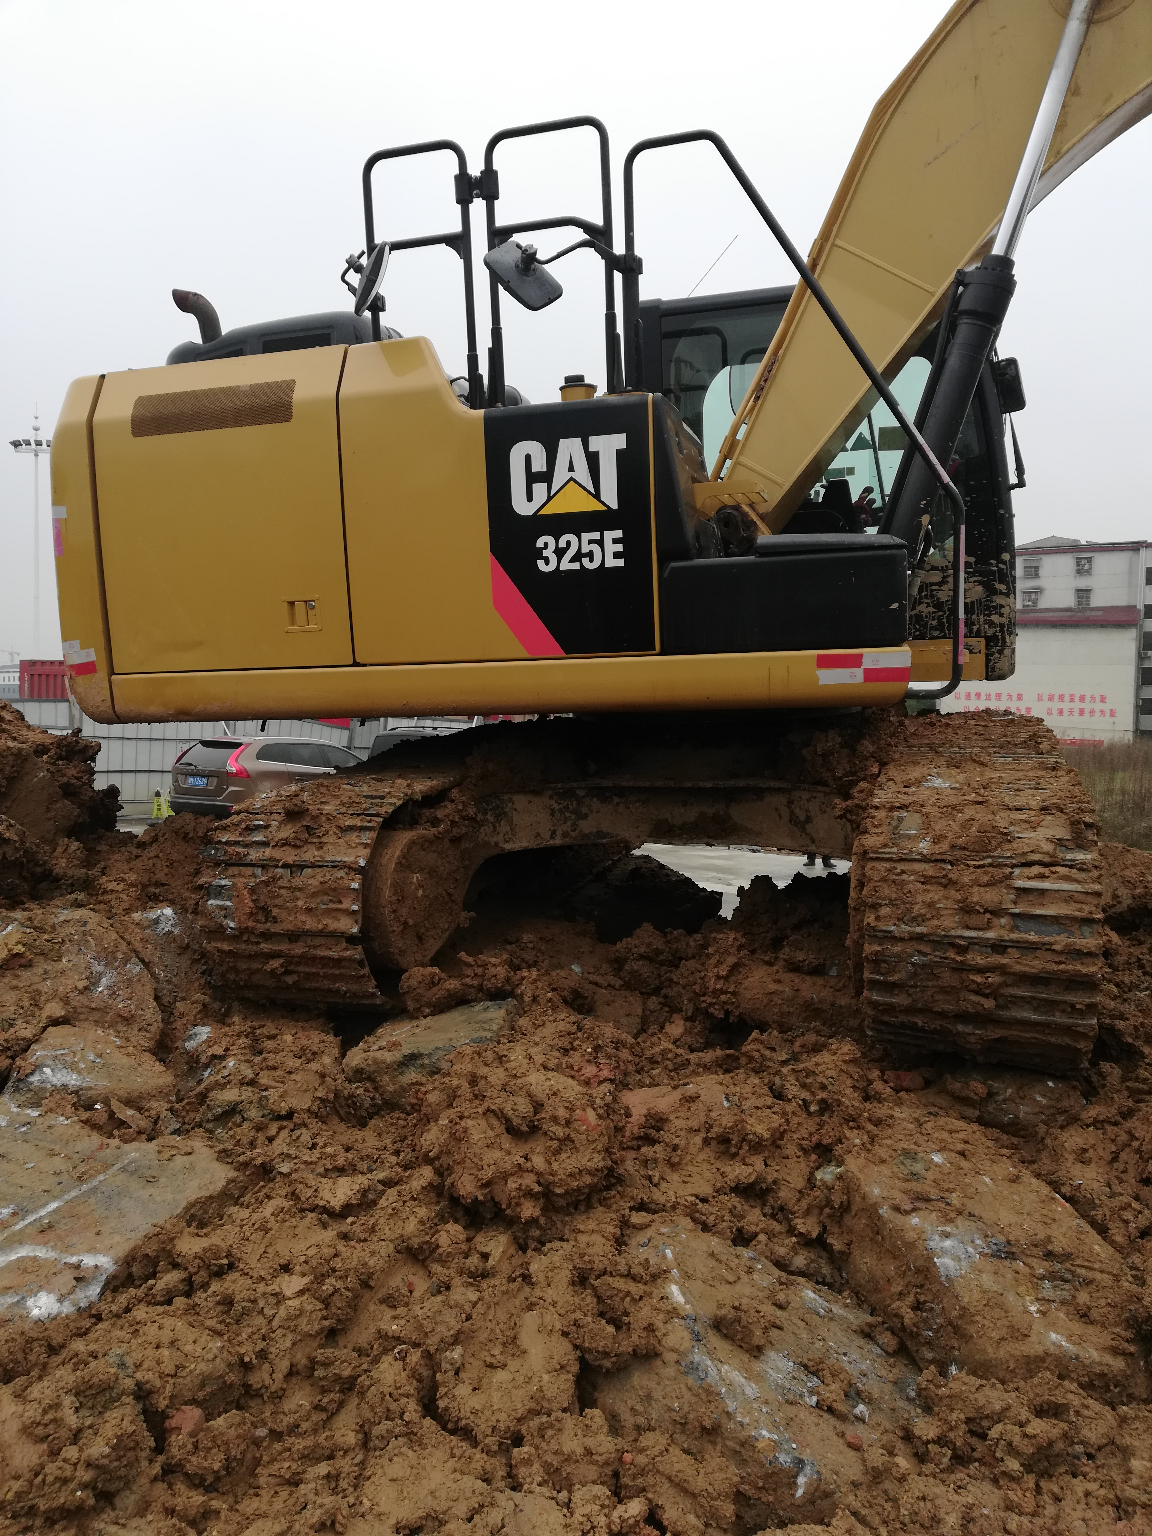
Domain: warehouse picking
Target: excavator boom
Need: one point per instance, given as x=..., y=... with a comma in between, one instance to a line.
x=923, y=195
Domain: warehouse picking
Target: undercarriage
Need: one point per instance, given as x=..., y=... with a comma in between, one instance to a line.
x=975, y=899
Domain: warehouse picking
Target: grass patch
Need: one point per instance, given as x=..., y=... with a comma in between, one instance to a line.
x=1118, y=778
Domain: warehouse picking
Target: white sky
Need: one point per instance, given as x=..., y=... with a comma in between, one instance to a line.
x=218, y=146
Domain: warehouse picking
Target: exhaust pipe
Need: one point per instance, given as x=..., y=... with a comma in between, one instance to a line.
x=205, y=314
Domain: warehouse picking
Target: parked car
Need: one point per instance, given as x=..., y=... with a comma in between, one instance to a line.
x=213, y=776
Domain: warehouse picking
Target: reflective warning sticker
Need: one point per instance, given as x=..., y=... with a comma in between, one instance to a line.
x=519, y=617
x=864, y=666
x=80, y=662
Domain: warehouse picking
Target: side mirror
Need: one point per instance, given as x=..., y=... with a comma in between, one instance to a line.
x=520, y=273
x=371, y=278
x=1009, y=385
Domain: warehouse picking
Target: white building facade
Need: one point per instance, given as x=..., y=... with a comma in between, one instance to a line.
x=1081, y=664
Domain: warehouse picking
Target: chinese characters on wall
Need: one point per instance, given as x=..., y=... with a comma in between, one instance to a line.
x=1054, y=705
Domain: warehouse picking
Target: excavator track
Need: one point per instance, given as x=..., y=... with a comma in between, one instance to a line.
x=976, y=923
x=282, y=901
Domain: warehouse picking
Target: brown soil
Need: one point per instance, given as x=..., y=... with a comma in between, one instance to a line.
x=531, y=1294
x=48, y=805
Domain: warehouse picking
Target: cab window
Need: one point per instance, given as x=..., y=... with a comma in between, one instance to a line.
x=706, y=339
x=872, y=455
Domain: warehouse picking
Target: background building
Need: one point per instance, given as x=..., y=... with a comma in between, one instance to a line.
x=1081, y=662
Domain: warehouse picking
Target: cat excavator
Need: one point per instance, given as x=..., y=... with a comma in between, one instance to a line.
x=715, y=584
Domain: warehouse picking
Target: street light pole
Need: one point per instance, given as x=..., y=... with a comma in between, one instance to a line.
x=35, y=445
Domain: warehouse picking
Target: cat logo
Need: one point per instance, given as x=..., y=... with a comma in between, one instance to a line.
x=571, y=526
x=569, y=488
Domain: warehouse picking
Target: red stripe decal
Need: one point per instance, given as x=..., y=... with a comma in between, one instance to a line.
x=887, y=674
x=521, y=619
x=82, y=669
x=837, y=660
x=342, y=722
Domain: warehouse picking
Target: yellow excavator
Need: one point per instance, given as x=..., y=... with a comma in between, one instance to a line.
x=785, y=505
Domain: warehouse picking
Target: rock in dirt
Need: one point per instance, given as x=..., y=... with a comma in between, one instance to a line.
x=638, y=890
x=76, y=1205
x=66, y=965
x=185, y=1421
x=91, y=1065
x=403, y=1054
x=1018, y=1103
x=763, y=1380
x=979, y=1265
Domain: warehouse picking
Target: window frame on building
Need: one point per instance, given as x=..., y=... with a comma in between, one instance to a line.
x=1083, y=565
x=1030, y=570
x=1081, y=598
x=1030, y=598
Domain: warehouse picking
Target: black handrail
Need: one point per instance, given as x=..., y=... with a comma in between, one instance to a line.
x=634, y=333
x=458, y=241
x=498, y=233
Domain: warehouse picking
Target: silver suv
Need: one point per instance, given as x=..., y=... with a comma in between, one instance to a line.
x=213, y=776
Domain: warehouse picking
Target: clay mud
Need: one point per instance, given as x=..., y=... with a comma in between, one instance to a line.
x=579, y=1234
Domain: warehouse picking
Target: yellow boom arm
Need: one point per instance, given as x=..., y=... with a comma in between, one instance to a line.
x=923, y=195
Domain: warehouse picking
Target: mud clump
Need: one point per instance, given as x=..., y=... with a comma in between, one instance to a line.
x=639, y=889
x=599, y=1238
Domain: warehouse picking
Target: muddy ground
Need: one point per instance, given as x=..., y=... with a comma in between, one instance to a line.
x=663, y=1245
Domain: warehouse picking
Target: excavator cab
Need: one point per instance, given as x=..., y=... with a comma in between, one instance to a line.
x=702, y=354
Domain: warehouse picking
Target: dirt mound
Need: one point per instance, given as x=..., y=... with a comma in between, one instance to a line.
x=48, y=805
x=645, y=1236
x=1127, y=885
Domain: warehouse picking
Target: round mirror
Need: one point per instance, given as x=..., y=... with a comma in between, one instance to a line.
x=371, y=277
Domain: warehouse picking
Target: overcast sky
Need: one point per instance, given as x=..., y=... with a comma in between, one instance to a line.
x=218, y=146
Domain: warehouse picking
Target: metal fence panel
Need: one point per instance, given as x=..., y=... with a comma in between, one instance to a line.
x=138, y=758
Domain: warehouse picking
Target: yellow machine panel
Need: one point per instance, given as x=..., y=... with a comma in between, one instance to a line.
x=76, y=537
x=744, y=680
x=220, y=516
x=415, y=512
